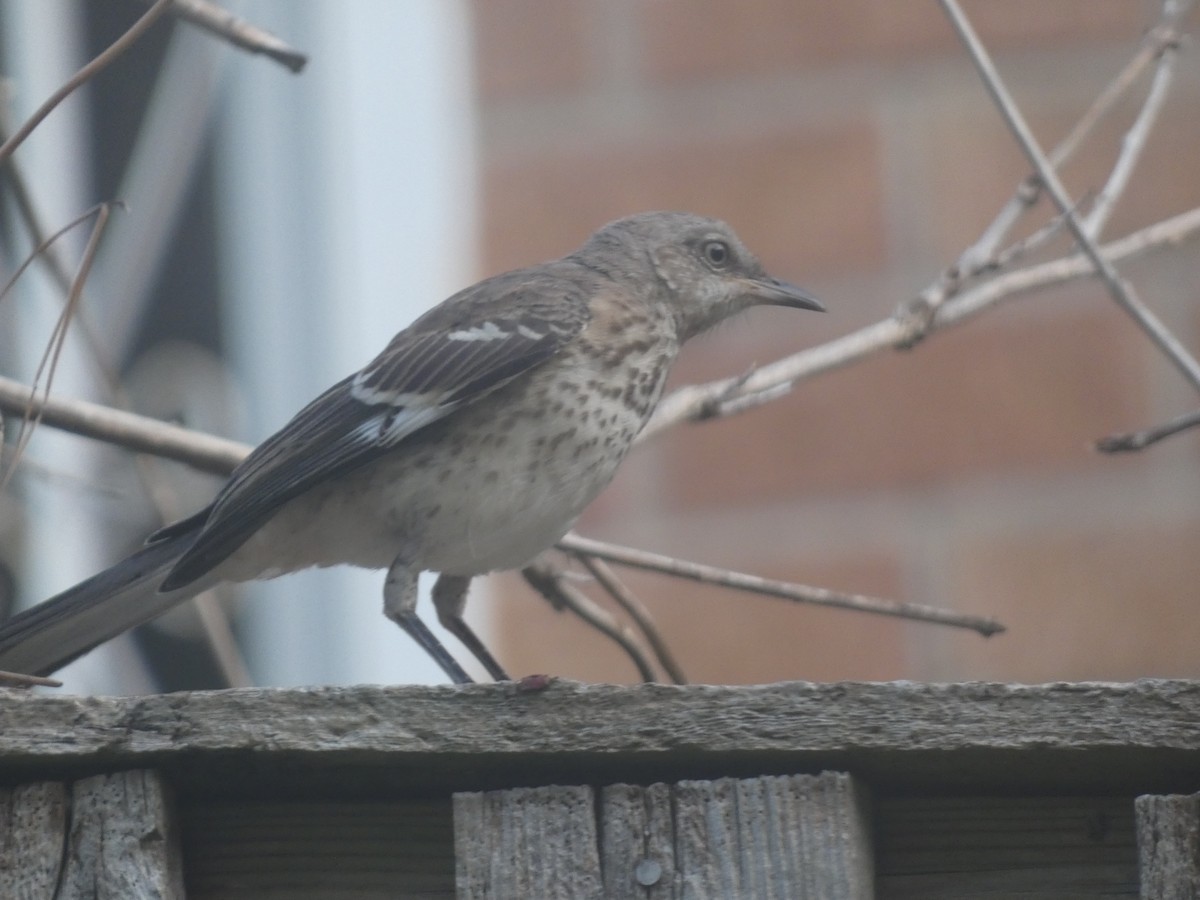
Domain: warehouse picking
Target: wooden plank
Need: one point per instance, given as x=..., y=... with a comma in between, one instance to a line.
x=800, y=837
x=1168, y=837
x=1005, y=848
x=367, y=850
x=527, y=842
x=638, y=829
x=33, y=819
x=978, y=738
x=123, y=840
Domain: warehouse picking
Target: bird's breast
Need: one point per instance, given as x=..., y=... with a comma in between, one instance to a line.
x=490, y=486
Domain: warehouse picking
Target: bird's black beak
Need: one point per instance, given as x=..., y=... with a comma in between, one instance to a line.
x=780, y=293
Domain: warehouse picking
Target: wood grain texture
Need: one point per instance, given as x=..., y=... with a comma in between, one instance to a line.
x=33, y=819
x=1032, y=848
x=902, y=736
x=309, y=850
x=803, y=837
x=527, y=842
x=123, y=841
x=638, y=842
x=1168, y=837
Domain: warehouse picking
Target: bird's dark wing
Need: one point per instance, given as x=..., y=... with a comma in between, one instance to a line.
x=474, y=343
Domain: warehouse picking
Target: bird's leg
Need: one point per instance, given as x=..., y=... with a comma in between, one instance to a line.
x=400, y=605
x=450, y=600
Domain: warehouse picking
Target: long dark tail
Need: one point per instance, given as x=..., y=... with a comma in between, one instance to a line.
x=45, y=638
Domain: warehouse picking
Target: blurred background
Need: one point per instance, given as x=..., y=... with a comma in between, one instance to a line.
x=281, y=227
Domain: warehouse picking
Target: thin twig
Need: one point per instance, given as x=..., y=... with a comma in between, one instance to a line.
x=799, y=593
x=550, y=583
x=985, y=254
x=205, y=452
x=239, y=32
x=98, y=64
x=1137, y=440
x=1158, y=39
x=43, y=245
x=1120, y=290
x=695, y=402
x=19, y=680
x=1133, y=143
x=1005, y=258
x=637, y=611
x=49, y=361
x=48, y=250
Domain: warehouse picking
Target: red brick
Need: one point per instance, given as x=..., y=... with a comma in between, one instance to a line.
x=1033, y=23
x=687, y=39
x=1111, y=602
x=530, y=47
x=975, y=167
x=1165, y=182
x=806, y=202
x=1025, y=394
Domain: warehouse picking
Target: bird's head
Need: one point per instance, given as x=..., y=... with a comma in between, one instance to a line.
x=705, y=272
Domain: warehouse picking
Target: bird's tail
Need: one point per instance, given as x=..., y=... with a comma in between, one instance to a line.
x=46, y=637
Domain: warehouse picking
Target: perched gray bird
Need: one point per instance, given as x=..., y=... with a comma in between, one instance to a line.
x=470, y=444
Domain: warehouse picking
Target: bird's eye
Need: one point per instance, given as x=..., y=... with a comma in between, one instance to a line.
x=716, y=254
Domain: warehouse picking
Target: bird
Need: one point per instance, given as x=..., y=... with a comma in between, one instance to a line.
x=470, y=444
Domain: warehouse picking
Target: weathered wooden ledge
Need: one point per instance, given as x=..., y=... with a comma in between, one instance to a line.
x=840, y=791
x=901, y=737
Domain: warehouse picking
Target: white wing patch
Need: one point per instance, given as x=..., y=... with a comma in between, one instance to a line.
x=408, y=411
x=526, y=332
x=488, y=331
x=374, y=396
x=388, y=429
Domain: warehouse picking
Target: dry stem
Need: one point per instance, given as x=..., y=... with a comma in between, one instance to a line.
x=99, y=63
x=553, y=585
x=224, y=24
x=1120, y=289
x=799, y=593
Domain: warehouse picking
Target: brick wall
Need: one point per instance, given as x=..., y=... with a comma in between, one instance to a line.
x=853, y=148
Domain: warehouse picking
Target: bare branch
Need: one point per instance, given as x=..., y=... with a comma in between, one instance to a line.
x=239, y=32
x=1135, y=138
x=57, y=341
x=1006, y=258
x=141, y=433
x=550, y=583
x=637, y=611
x=1121, y=290
x=1158, y=40
x=44, y=244
x=724, y=396
x=48, y=250
x=799, y=593
x=1137, y=440
x=1164, y=36
x=18, y=680
x=101, y=62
